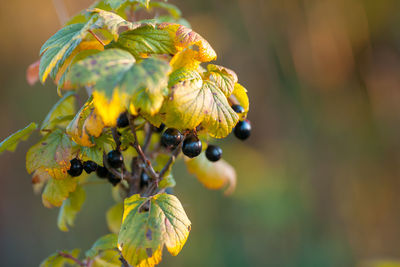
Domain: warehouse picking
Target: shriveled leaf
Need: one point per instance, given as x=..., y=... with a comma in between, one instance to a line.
x=106, y=242
x=53, y=154
x=59, y=47
x=149, y=224
x=184, y=37
x=145, y=41
x=213, y=175
x=60, y=112
x=56, y=191
x=240, y=94
x=114, y=217
x=32, y=73
x=11, y=142
x=70, y=208
x=57, y=260
x=224, y=78
x=39, y=179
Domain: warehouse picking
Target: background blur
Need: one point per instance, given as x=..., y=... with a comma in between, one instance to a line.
x=319, y=178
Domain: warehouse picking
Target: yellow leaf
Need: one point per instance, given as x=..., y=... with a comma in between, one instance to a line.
x=213, y=175
x=56, y=191
x=240, y=94
x=109, y=110
x=185, y=59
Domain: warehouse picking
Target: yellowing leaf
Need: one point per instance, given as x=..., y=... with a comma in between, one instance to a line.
x=240, y=94
x=39, y=179
x=60, y=112
x=108, y=258
x=70, y=208
x=56, y=191
x=11, y=142
x=224, y=78
x=109, y=109
x=184, y=37
x=106, y=242
x=116, y=4
x=57, y=260
x=185, y=59
x=53, y=154
x=213, y=175
x=114, y=217
x=59, y=47
x=149, y=224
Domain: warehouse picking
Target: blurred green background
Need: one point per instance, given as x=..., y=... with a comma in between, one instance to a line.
x=318, y=180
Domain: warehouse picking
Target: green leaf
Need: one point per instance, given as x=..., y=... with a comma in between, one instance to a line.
x=52, y=154
x=116, y=4
x=224, y=78
x=144, y=41
x=167, y=181
x=213, y=175
x=240, y=94
x=170, y=8
x=11, y=142
x=59, y=47
x=63, y=110
x=149, y=224
x=94, y=153
x=108, y=258
x=106, y=242
x=114, y=217
x=56, y=191
x=56, y=260
x=70, y=208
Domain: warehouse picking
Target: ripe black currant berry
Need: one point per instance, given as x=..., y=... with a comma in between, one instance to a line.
x=102, y=172
x=213, y=153
x=76, y=168
x=238, y=109
x=159, y=129
x=123, y=120
x=89, y=166
x=191, y=146
x=115, y=159
x=171, y=138
x=144, y=180
x=114, y=180
x=242, y=130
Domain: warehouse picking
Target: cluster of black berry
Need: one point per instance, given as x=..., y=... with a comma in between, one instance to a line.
x=114, y=159
x=192, y=146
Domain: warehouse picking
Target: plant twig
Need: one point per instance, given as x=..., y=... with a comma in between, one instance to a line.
x=69, y=256
x=124, y=262
x=149, y=133
x=97, y=38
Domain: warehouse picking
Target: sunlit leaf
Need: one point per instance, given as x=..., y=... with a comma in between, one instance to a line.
x=60, y=46
x=114, y=217
x=106, y=242
x=60, y=112
x=240, y=94
x=57, y=260
x=11, y=142
x=53, y=154
x=224, y=78
x=149, y=224
x=213, y=175
x=56, y=191
x=115, y=4
x=70, y=208
x=185, y=59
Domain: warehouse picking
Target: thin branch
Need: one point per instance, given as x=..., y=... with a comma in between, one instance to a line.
x=171, y=160
x=124, y=262
x=69, y=256
x=149, y=133
x=97, y=38
x=61, y=11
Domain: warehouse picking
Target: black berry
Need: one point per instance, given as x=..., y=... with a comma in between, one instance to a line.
x=89, y=166
x=102, y=172
x=191, y=146
x=238, y=109
x=213, y=153
x=144, y=180
x=114, y=180
x=171, y=138
x=159, y=129
x=123, y=120
x=115, y=159
x=242, y=130
x=76, y=168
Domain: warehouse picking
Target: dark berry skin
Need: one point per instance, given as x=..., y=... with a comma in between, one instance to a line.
x=171, y=138
x=238, y=109
x=159, y=129
x=89, y=166
x=102, y=172
x=191, y=146
x=213, y=153
x=115, y=159
x=242, y=130
x=76, y=168
x=114, y=180
x=123, y=120
x=144, y=180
